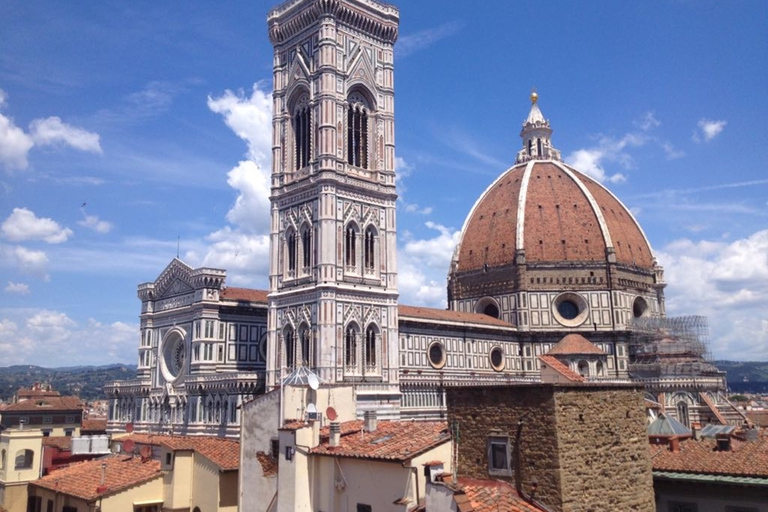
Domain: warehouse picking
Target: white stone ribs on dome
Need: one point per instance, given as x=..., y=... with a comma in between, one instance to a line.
x=520, y=228
x=592, y=203
x=629, y=212
x=455, y=257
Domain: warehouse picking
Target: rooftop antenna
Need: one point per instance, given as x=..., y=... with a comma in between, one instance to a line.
x=178, y=238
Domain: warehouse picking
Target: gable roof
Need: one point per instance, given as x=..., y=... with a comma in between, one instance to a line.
x=83, y=479
x=392, y=440
x=225, y=453
x=702, y=457
x=575, y=344
x=560, y=368
x=446, y=315
x=47, y=404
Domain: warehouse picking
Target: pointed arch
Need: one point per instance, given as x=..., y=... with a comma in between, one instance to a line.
x=371, y=348
x=307, y=250
x=304, y=346
x=370, y=245
x=291, y=250
x=351, y=352
x=359, y=108
x=351, y=234
x=289, y=347
x=301, y=127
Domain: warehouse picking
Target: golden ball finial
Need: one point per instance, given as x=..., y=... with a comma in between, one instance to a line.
x=534, y=96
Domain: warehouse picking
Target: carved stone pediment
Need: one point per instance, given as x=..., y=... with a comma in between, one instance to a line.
x=175, y=280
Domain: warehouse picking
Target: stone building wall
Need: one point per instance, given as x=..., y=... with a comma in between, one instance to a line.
x=574, y=449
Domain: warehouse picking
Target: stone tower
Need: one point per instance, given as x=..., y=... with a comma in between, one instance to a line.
x=333, y=273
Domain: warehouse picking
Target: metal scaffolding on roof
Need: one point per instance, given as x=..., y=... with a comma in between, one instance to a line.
x=670, y=346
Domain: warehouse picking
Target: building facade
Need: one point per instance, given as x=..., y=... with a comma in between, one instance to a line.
x=544, y=252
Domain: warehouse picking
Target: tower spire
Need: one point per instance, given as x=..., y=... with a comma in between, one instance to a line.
x=536, y=135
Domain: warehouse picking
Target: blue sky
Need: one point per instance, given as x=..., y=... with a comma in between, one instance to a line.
x=125, y=126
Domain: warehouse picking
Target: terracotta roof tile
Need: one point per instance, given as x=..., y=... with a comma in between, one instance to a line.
x=268, y=464
x=392, y=440
x=47, y=403
x=94, y=424
x=449, y=316
x=83, y=479
x=225, y=453
x=244, y=295
x=493, y=495
x=744, y=459
x=560, y=368
x=63, y=443
x=575, y=344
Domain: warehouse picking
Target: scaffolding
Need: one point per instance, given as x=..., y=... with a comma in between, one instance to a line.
x=670, y=347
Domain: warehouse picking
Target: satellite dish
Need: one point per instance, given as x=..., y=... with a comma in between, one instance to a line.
x=129, y=427
x=128, y=446
x=313, y=381
x=311, y=409
x=146, y=451
x=330, y=413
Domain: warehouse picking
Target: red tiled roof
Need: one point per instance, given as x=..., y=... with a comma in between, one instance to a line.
x=244, y=295
x=83, y=479
x=575, y=344
x=560, y=368
x=446, y=315
x=47, y=403
x=493, y=495
x=97, y=424
x=268, y=464
x=392, y=440
x=225, y=453
x=744, y=459
x=63, y=443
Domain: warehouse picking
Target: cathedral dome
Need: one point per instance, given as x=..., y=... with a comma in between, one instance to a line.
x=542, y=210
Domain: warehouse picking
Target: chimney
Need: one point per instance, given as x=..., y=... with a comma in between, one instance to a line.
x=370, y=421
x=752, y=434
x=21, y=424
x=696, y=432
x=335, y=434
x=674, y=444
x=103, y=472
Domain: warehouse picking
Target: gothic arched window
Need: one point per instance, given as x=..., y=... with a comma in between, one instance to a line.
x=530, y=146
x=306, y=248
x=302, y=129
x=682, y=412
x=369, y=248
x=350, y=348
x=289, y=347
x=370, y=347
x=357, y=131
x=538, y=147
x=350, y=245
x=291, y=242
x=304, y=339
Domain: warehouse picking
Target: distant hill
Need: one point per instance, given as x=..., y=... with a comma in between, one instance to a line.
x=746, y=376
x=87, y=382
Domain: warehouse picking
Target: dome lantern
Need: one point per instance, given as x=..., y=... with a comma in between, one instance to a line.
x=536, y=135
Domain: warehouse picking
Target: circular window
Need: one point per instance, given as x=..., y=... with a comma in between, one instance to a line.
x=487, y=306
x=173, y=355
x=263, y=347
x=639, y=307
x=570, y=309
x=497, y=358
x=437, y=355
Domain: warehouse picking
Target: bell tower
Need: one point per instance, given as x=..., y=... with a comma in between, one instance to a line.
x=333, y=271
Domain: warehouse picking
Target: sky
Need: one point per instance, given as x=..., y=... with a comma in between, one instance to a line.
x=128, y=130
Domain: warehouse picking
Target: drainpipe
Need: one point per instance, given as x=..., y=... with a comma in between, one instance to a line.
x=519, y=471
x=415, y=473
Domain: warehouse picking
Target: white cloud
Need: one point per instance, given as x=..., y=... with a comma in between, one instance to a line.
x=15, y=144
x=20, y=288
x=709, y=129
x=93, y=222
x=423, y=266
x=671, y=152
x=50, y=337
x=244, y=255
x=251, y=211
x=726, y=281
x=30, y=261
x=251, y=120
x=53, y=132
x=648, y=122
x=22, y=224
x=411, y=43
x=590, y=162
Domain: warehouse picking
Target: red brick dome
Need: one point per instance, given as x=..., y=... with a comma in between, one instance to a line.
x=554, y=214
